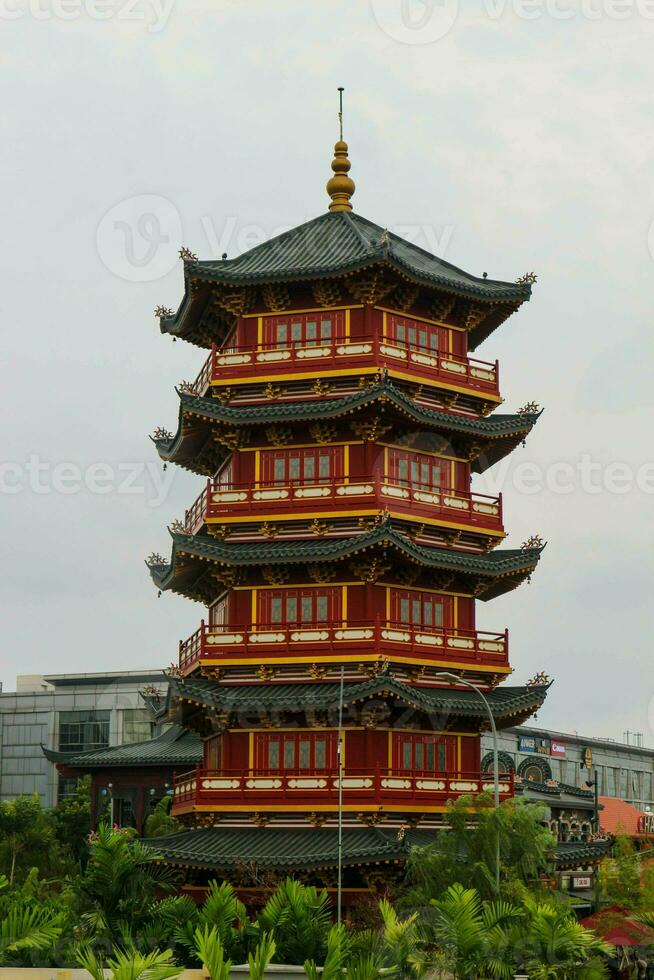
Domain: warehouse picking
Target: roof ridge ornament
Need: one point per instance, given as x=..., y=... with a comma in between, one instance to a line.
x=340, y=187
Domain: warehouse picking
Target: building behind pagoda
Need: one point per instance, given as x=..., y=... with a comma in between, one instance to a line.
x=338, y=421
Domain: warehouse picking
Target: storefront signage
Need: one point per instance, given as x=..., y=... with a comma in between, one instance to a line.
x=529, y=743
x=646, y=823
x=557, y=749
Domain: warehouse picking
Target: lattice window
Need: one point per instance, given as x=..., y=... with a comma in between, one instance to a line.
x=412, y=608
x=406, y=332
x=418, y=470
x=295, y=331
x=284, y=466
x=424, y=752
x=295, y=751
x=294, y=607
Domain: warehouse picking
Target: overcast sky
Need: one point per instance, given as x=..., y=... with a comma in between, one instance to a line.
x=506, y=137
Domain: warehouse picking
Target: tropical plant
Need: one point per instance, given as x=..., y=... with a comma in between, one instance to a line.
x=25, y=930
x=27, y=838
x=472, y=934
x=161, y=821
x=300, y=918
x=226, y=914
x=466, y=852
x=620, y=876
x=338, y=948
x=403, y=950
x=72, y=820
x=129, y=964
x=259, y=960
x=557, y=946
x=115, y=894
x=211, y=953
x=497, y=939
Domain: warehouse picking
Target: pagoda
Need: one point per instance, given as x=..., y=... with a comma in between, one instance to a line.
x=339, y=551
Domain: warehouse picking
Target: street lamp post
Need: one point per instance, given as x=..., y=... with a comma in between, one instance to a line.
x=496, y=772
x=339, y=883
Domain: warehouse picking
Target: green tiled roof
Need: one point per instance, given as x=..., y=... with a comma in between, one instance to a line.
x=287, y=848
x=496, y=564
x=336, y=243
x=298, y=848
x=573, y=854
x=175, y=747
x=332, y=246
x=496, y=427
x=505, y=702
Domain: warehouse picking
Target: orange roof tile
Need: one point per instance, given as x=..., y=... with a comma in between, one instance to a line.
x=619, y=817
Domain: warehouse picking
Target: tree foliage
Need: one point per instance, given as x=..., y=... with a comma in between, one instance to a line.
x=72, y=820
x=466, y=852
x=115, y=914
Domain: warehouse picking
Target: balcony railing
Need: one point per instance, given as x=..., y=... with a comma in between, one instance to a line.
x=321, y=641
x=392, y=788
x=415, y=499
x=240, y=363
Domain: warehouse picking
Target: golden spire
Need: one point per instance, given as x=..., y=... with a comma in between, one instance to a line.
x=340, y=187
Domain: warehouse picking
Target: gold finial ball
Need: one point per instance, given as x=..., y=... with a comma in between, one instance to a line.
x=340, y=187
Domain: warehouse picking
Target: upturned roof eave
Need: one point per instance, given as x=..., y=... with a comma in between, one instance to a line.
x=494, y=566
x=131, y=755
x=516, y=427
x=348, y=233
x=506, y=703
x=509, y=292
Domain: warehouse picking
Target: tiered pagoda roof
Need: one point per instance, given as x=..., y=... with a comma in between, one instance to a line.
x=509, y=705
x=336, y=245
x=229, y=849
x=192, y=446
x=489, y=575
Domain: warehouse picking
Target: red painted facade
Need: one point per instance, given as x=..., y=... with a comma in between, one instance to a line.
x=301, y=631
x=339, y=545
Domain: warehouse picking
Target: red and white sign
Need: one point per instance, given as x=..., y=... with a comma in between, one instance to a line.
x=646, y=823
x=557, y=749
x=581, y=882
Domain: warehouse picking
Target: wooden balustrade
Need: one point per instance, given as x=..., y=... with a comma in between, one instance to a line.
x=241, y=362
x=217, y=500
x=276, y=789
x=326, y=641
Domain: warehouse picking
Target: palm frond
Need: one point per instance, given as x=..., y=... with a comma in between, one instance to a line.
x=263, y=954
x=211, y=953
x=25, y=927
